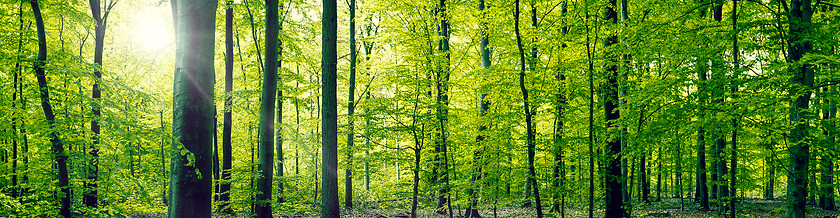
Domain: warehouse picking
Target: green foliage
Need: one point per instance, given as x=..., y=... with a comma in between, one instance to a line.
x=663, y=40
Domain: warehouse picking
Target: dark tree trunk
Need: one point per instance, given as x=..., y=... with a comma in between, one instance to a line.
x=829, y=114
x=267, y=104
x=278, y=135
x=472, y=210
x=442, y=110
x=57, y=147
x=701, y=188
x=190, y=184
x=351, y=109
x=530, y=139
x=801, y=83
x=15, y=135
x=100, y=16
x=734, y=152
x=614, y=204
x=329, y=125
x=227, y=149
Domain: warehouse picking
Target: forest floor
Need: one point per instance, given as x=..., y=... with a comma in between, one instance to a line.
x=668, y=207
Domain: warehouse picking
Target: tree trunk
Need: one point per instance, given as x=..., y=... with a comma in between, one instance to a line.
x=734, y=152
x=100, y=16
x=227, y=149
x=591, y=136
x=442, y=110
x=351, y=98
x=659, y=176
x=472, y=210
x=267, y=104
x=530, y=139
x=829, y=114
x=278, y=135
x=57, y=147
x=190, y=190
x=643, y=178
x=329, y=125
x=15, y=135
x=614, y=204
x=801, y=83
x=216, y=179
x=701, y=189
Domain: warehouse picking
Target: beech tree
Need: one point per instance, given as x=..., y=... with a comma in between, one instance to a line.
x=44, y=93
x=329, y=119
x=801, y=85
x=192, y=124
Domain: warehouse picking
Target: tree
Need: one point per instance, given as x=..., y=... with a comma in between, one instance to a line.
x=441, y=79
x=269, y=89
x=57, y=146
x=801, y=84
x=100, y=16
x=227, y=125
x=609, y=91
x=530, y=139
x=192, y=124
x=351, y=95
x=734, y=152
x=484, y=105
x=278, y=137
x=329, y=119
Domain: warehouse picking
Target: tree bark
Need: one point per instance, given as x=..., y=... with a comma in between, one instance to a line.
x=701, y=189
x=100, y=16
x=801, y=83
x=351, y=98
x=227, y=125
x=329, y=125
x=613, y=194
x=267, y=106
x=278, y=136
x=736, y=72
x=190, y=184
x=57, y=146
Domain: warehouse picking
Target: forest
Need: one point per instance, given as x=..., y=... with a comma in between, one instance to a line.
x=428, y=108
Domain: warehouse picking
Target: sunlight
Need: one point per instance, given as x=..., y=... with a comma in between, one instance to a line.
x=152, y=30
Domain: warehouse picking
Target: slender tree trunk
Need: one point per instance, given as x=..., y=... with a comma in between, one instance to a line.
x=267, y=106
x=829, y=114
x=348, y=173
x=227, y=126
x=100, y=16
x=701, y=189
x=472, y=210
x=734, y=152
x=57, y=147
x=801, y=84
x=216, y=179
x=329, y=203
x=530, y=139
x=659, y=176
x=559, y=174
x=278, y=135
x=442, y=111
x=591, y=75
x=644, y=182
x=15, y=135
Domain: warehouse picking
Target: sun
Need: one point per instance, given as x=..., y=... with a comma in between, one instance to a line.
x=153, y=29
